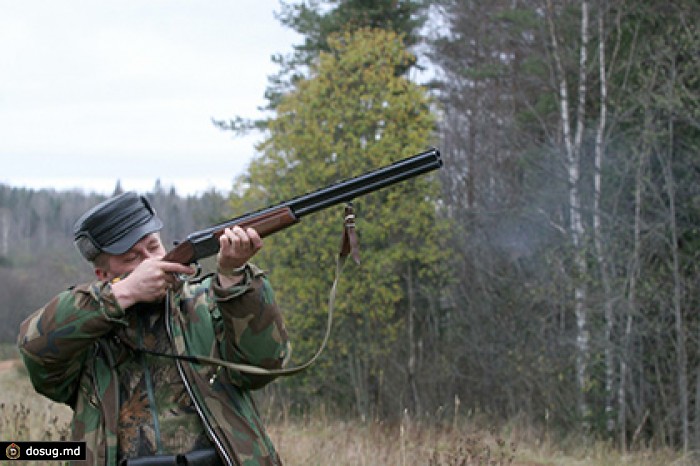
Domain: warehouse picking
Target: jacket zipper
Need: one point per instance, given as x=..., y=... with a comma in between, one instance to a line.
x=188, y=387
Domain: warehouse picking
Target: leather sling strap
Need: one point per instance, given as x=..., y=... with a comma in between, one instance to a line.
x=349, y=247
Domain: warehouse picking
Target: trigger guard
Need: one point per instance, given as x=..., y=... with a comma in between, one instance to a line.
x=183, y=277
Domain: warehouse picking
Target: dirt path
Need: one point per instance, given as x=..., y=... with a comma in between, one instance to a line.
x=9, y=364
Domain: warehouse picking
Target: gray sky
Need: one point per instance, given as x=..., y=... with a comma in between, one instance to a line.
x=92, y=92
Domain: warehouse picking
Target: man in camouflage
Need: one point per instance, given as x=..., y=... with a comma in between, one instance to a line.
x=99, y=347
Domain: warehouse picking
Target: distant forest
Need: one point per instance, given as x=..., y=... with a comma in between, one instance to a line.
x=37, y=256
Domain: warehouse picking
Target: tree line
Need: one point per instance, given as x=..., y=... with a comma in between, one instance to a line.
x=548, y=271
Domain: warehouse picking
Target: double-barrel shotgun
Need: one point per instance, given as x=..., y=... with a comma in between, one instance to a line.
x=205, y=243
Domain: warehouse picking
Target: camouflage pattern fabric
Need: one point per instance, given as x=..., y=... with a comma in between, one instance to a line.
x=156, y=414
x=79, y=350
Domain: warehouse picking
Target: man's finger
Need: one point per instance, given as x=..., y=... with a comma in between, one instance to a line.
x=174, y=267
x=255, y=239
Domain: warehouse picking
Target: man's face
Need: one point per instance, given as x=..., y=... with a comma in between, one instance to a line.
x=148, y=247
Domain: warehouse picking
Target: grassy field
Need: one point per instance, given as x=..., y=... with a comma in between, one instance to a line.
x=319, y=440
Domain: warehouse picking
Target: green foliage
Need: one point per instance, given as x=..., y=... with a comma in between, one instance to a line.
x=354, y=114
x=317, y=23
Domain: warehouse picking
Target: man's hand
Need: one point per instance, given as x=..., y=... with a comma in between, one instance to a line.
x=236, y=247
x=148, y=282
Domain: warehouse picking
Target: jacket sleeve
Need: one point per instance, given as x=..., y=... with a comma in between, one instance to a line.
x=254, y=332
x=55, y=340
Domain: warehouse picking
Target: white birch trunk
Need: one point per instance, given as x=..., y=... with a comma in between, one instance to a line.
x=572, y=146
x=598, y=235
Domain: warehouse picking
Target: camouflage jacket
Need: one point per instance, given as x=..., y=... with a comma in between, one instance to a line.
x=73, y=351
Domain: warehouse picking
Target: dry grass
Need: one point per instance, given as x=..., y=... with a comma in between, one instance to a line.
x=25, y=415
x=321, y=440
x=316, y=441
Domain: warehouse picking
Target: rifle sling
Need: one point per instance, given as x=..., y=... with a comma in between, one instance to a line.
x=349, y=246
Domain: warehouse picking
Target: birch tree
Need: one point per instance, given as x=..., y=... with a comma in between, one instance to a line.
x=572, y=123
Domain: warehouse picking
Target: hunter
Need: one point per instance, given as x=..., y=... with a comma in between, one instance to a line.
x=121, y=351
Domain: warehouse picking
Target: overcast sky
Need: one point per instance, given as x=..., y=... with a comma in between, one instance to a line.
x=92, y=92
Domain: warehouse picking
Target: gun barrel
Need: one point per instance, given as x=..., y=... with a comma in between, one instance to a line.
x=347, y=190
